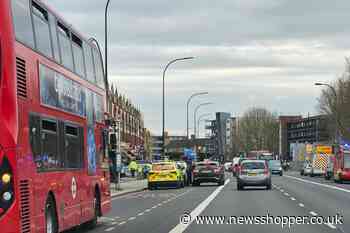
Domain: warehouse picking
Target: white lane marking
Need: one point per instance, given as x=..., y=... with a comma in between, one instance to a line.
x=179, y=228
x=121, y=223
x=116, y=217
x=114, y=223
x=110, y=229
x=330, y=225
x=301, y=205
x=148, y=210
x=131, y=218
x=292, y=198
x=316, y=183
x=140, y=214
x=153, y=207
x=313, y=213
x=160, y=204
x=282, y=190
x=287, y=194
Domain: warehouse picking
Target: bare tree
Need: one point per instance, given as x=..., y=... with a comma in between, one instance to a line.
x=337, y=107
x=258, y=130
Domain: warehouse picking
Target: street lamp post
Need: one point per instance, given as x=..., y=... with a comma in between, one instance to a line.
x=188, y=106
x=200, y=119
x=163, y=115
x=106, y=47
x=335, y=107
x=195, y=115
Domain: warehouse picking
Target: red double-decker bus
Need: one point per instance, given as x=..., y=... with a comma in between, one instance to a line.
x=53, y=165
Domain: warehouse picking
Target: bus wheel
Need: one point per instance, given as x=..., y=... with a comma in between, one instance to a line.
x=50, y=216
x=93, y=222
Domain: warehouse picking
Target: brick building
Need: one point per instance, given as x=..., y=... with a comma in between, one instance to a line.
x=131, y=122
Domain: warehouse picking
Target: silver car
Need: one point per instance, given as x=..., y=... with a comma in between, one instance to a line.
x=254, y=173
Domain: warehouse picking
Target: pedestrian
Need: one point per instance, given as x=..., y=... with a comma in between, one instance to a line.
x=133, y=167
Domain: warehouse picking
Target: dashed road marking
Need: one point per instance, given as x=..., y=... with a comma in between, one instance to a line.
x=301, y=205
x=292, y=198
x=131, y=218
x=287, y=194
x=140, y=214
x=153, y=207
x=313, y=213
x=121, y=223
x=282, y=190
x=148, y=210
x=110, y=229
x=114, y=223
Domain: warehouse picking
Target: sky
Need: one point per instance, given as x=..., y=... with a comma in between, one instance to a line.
x=248, y=53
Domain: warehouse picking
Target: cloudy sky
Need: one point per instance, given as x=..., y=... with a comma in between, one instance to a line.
x=248, y=53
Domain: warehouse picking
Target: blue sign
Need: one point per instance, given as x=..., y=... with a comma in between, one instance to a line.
x=190, y=154
x=91, y=151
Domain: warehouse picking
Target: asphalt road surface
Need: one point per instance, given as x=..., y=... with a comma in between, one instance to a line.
x=159, y=211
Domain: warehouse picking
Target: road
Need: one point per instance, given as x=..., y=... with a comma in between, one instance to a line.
x=159, y=211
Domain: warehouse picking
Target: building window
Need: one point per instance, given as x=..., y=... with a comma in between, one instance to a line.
x=65, y=46
x=23, y=22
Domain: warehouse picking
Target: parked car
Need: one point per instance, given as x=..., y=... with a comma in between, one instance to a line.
x=254, y=173
x=208, y=172
x=306, y=169
x=275, y=167
x=165, y=174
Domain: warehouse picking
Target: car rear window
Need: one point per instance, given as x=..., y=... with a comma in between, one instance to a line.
x=253, y=165
x=199, y=165
x=163, y=167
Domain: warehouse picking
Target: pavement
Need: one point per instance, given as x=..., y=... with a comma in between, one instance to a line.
x=159, y=211
x=128, y=185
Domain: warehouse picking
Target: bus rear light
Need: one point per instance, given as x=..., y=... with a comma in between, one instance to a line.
x=7, y=196
x=6, y=178
x=6, y=186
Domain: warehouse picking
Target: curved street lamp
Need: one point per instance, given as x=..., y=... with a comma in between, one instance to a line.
x=106, y=45
x=195, y=115
x=188, y=106
x=164, y=72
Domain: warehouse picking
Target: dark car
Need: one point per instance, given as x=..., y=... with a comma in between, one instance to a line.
x=254, y=173
x=208, y=172
x=275, y=167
